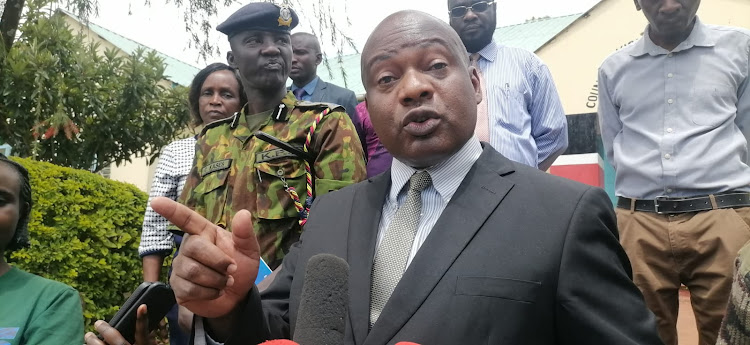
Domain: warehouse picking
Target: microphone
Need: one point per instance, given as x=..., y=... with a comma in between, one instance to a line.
x=324, y=302
x=278, y=342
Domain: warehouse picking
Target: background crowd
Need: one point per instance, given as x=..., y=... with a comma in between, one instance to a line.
x=433, y=190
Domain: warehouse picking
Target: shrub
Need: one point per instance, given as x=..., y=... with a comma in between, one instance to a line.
x=84, y=232
x=77, y=104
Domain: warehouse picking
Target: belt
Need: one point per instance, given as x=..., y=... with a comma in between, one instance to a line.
x=663, y=205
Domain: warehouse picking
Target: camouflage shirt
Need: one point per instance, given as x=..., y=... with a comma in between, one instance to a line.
x=235, y=170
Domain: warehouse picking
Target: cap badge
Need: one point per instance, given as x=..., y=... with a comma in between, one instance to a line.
x=285, y=16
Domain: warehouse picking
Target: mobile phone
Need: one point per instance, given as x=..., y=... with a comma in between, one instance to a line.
x=158, y=298
x=263, y=271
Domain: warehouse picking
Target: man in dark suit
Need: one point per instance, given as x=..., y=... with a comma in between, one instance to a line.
x=455, y=244
x=307, y=86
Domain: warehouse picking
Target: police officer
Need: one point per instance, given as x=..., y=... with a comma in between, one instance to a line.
x=305, y=148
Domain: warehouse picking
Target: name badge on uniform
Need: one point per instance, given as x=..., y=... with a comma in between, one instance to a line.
x=269, y=155
x=216, y=166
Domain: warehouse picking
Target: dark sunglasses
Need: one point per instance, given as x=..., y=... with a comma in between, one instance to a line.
x=460, y=11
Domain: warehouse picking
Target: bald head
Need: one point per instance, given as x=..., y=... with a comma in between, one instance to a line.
x=413, y=27
x=422, y=94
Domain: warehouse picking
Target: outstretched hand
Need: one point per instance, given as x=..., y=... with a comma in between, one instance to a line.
x=112, y=336
x=215, y=269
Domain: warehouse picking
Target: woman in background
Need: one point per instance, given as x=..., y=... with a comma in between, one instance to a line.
x=33, y=310
x=215, y=94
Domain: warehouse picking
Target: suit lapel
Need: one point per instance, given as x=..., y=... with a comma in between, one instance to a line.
x=363, y=229
x=477, y=197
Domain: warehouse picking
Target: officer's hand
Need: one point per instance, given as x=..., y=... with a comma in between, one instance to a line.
x=215, y=268
x=112, y=336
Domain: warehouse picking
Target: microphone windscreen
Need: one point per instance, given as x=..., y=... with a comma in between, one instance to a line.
x=279, y=342
x=324, y=302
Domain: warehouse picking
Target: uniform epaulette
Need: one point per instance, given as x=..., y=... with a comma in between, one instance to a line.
x=219, y=122
x=319, y=105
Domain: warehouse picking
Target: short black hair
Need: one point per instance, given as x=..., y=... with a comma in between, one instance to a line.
x=197, y=84
x=310, y=37
x=21, y=236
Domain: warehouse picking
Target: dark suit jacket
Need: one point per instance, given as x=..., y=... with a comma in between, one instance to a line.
x=330, y=93
x=517, y=257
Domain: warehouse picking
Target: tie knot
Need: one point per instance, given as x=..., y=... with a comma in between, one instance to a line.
x=299, y=93
x=419, y=181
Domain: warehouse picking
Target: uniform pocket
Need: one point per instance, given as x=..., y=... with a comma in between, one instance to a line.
x=212, y=182
x=273, y=199
x=709, y=104
x=212, y=191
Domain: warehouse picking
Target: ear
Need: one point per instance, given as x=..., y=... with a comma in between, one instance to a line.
x=474, y=75
x=637, y=5
x=230, y=59
x=318, y=58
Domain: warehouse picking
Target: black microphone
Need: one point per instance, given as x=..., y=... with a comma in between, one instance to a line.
x=324, y=302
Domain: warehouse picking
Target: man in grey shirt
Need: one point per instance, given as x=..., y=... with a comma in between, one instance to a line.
x=675, y=122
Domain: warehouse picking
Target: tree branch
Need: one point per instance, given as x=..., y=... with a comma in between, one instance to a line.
x=9, y=23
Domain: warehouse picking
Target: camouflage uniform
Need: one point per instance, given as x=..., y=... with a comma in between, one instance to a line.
x=234, y=170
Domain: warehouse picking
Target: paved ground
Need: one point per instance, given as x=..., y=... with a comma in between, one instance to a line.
x=686, y=331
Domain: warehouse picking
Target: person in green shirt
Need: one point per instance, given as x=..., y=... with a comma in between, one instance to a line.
x=35, y=310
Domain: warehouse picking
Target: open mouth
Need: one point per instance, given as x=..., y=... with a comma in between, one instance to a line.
x=421, y=123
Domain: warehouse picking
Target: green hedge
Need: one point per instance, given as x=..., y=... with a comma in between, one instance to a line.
x=84, y=232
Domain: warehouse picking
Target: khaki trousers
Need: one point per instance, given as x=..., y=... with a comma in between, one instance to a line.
x=696, y=249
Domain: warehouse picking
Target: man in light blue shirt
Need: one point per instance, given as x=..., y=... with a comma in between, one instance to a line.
x=525, y=118
x=675, y=120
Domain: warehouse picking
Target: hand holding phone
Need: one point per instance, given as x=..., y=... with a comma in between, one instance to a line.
x=157, y=297
x=109, y=335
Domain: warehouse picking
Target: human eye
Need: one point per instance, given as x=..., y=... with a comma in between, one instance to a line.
x=284, y=40
x=386, y=80
x=252, y=40
x=5, y=199
x=438, y=65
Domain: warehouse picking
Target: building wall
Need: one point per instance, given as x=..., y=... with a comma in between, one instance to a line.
x=575, y=54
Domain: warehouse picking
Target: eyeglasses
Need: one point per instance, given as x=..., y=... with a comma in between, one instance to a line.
x=460, y=11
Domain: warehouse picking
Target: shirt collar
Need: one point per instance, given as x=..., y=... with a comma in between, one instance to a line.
x=701, y=36
x=489, y=52
x=310, y=87
x=446, y=176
